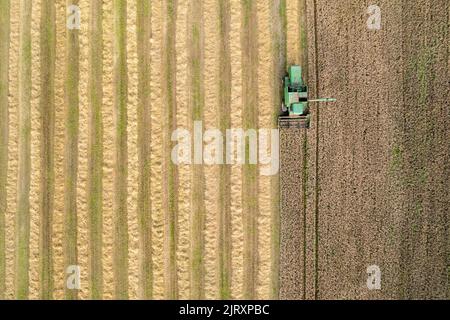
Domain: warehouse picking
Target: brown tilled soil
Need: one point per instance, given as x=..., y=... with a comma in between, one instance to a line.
x=380, y=192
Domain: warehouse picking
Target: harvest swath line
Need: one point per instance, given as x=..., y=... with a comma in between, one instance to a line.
x=170, y=170
x=95, y=150
x=47, y=109
x=316, y=187
x=143, y=12
x=278, y=32
x=224, y=116
x=249, y=42
x=121, y=151
x=71, y=150
x=4, y=131
x=22, y=230
x=303, y=61
x=196, y=111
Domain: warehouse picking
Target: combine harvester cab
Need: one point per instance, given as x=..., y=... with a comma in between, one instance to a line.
x=295, y=109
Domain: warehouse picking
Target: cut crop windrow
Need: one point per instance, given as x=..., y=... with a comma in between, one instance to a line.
x=4, y=131
x=22, y=228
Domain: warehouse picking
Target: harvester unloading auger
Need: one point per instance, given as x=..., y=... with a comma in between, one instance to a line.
x=295, y=109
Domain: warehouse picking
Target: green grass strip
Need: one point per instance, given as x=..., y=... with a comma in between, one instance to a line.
x=196, y=111
x=47, y=110
x=224, y=116
x=144, y=205
x=121, y=150
x=22, y=230
x=95, y=150
x=71, y=150
x=170, y=170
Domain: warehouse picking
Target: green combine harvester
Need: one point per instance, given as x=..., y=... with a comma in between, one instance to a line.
x=295, y=109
